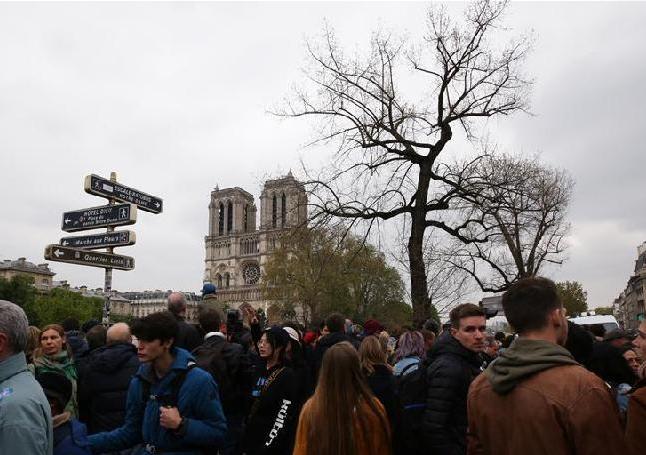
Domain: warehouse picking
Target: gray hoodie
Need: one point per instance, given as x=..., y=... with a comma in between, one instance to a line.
x=523, y=359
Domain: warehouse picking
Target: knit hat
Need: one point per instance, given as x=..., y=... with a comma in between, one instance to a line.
x=208, y=288
x=279, y=334
x=293, y=334
x=309, y=337
x=372, y=326
x=55, y=386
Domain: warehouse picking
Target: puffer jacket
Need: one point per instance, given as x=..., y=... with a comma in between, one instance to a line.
x=450, y=373
x=198, y=403
x=103, y=387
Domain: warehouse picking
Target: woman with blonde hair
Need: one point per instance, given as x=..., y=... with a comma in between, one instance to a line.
x=53, y=356
x=33, y=342
x=380, y=378
x=343, y=417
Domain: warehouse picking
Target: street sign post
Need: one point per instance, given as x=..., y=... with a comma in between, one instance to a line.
x=102, y=216
x=91, y=258
x=100, y=186
x=98, y=241
x=78, y=249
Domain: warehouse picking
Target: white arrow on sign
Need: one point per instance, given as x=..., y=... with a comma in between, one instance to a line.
x=157, y=204
x=67, y=220
x=65, y=243
x=58, y=253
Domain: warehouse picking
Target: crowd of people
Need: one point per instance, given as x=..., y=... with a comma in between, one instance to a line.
x=229, y=386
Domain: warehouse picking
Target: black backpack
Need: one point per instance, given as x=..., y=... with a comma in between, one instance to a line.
x=412, y=391
x=226, y=374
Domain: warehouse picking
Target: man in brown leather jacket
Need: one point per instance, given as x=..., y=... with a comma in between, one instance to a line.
x=636, y=419
x=535, y=399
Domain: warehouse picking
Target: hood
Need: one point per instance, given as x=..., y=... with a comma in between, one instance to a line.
x=111, y=358
x=447, y=344
x=333, y=338
x=523, y=359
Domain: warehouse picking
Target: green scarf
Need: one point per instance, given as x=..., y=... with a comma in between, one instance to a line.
x=525, y=358
x=59, y=363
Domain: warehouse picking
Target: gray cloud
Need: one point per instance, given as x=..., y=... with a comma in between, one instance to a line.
x=174, y=98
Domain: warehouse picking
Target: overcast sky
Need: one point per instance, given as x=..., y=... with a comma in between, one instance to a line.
x=173, y=97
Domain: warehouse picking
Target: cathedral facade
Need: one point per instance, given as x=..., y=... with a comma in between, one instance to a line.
x=237, y=248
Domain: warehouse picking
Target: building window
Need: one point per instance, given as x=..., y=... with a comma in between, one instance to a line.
x=219, y=280
x=229, y=217
x=283, y=210
x=273, y=211
x=221, y=219
x=228, y=279
x=245, y=214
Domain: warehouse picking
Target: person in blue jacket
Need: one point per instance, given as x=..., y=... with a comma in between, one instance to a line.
x=172, y=406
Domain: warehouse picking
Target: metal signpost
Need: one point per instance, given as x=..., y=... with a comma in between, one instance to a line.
x=121, y=210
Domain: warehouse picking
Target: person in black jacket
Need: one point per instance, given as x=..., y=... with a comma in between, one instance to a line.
x=271, y=425
x=335, y=328
x=187, y=337
x=233, y=371
x=607, y=360
x=104, y=385
x=454, y=364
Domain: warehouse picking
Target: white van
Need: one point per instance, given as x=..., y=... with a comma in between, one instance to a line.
x=609, y=323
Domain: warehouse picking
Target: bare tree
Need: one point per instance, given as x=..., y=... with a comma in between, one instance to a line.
x=523, y=204
x=390, y=135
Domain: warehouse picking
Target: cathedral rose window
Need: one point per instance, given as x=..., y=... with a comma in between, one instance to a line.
x=251, y=274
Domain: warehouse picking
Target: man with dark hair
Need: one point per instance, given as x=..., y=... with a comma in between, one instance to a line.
x=172, y=405
x=334, y=329
x=335, y=322
x=232, y=370
x=187, y=336
x=25, y=416
x=555, y=405
x=455, y=361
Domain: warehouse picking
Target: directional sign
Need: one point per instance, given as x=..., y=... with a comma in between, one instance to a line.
x=91, y=258
x=96, y=217
x=96, y=241
x=104, y=187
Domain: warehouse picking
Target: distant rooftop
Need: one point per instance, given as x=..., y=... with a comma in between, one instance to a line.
x=22, y=265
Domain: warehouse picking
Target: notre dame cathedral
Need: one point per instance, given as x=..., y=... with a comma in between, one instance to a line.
x=236, y=249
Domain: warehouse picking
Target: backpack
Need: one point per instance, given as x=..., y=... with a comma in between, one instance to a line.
x=176, y=384
x=212, y=360
x=412, y=390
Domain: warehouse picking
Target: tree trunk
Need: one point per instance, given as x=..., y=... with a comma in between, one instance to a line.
x=418, y=285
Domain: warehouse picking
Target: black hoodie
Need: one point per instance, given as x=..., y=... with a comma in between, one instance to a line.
x=452, y=369
x=104, y=387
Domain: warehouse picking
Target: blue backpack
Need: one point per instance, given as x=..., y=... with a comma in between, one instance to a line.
x=71, y=439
